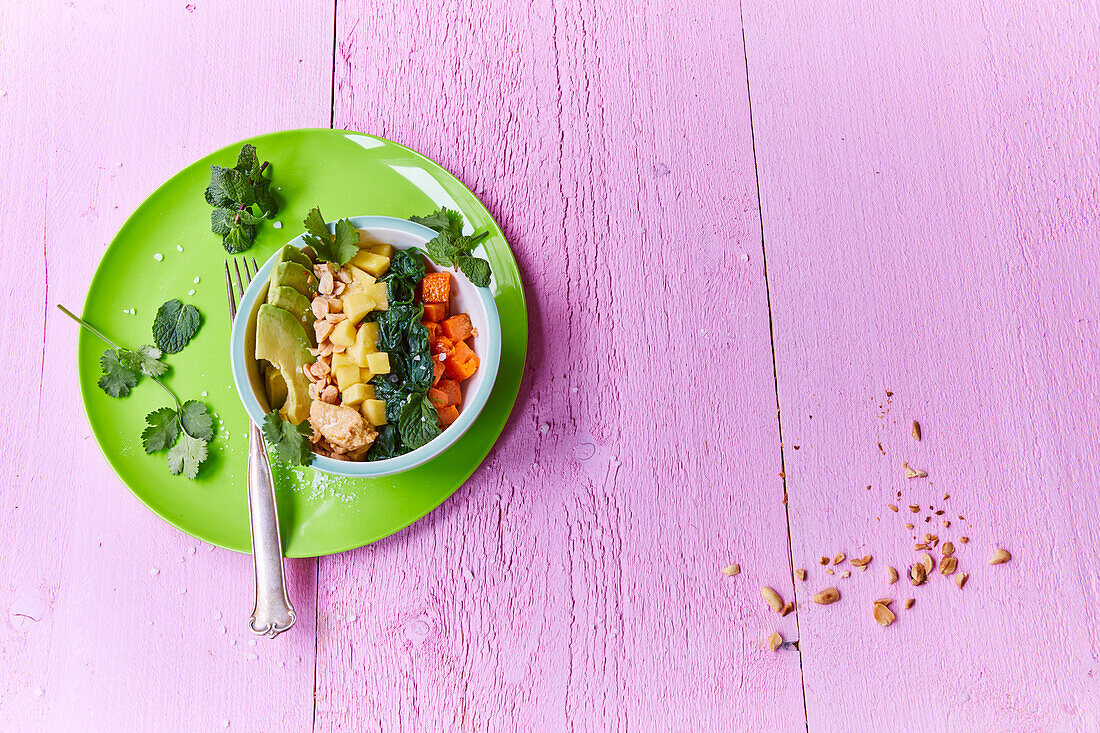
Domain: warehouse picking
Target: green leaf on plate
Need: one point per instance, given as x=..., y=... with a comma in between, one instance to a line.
x=117, y=380
x=186, y=456
x=162, y=430
x=175, y=325
x=197, y=420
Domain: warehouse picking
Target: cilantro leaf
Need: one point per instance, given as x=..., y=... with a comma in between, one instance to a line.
x=145, y=360
x=315, y=223
x=419, y=422
x=162, y=430
x=197, y=420
x=476, y=269
x=117, y=379
x=174, y=325
x=338, y=248
x=186, y=456
x=290, y=441
x=443, y=221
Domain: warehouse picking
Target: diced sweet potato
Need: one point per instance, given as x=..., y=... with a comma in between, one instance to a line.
x=442, y=345
x=437, y=367
x=447, y=415
x=461, y=363
x=451, y=391
x=435, y=312
x=438, y=398
x=436, y=288
x=458, y=328
x=433, y=331
x=462, y=351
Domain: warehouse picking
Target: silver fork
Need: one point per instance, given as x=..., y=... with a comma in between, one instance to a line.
x=273, y=613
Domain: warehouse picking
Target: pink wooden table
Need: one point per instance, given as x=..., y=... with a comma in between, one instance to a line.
x=758, y=241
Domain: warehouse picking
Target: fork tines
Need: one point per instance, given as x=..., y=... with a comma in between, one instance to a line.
x=232, y=294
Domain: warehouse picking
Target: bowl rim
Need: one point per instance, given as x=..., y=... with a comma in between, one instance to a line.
x=472, y=404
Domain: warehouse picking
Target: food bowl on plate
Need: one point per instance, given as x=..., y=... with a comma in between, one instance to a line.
x=465, y=297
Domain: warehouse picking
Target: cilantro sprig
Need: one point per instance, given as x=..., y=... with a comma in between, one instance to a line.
x=184, y=430
x=242, y=198
x=290, y=441
x=452, y=248
x=337, y=248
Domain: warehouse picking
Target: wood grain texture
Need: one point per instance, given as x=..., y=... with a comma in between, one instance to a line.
x=929, y=206
x=112, y=620
x=574, y=582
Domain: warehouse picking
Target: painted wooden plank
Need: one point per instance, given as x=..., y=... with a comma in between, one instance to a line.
x=929, y=207
x=113, y=620
x=574, y=582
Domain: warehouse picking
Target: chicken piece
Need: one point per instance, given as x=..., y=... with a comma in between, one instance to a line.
x=342, y=426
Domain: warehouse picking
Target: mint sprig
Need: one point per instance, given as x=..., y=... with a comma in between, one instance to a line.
x=242, y=198
x=451, y=248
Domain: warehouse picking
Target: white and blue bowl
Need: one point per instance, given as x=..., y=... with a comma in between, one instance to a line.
x=465, y=297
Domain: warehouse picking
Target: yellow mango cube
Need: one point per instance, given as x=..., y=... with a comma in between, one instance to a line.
x=356, y=305
x=380, y=295
x=373, y=264
x=342, y=360
x=378, y=362
x=359, y=278
x=347, y=376
x=343, y=334
x=386, y=250
x=374, y=411
x=356, y=393
x=366, y=340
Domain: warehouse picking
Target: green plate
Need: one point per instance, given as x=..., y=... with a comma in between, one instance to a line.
x=158, y=254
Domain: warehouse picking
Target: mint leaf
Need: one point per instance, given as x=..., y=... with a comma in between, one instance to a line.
x=240, y=238
x=442, y=249
x=221, y=221
x=162, y=430
x=174, y=325
x=265, y=199
x=117, y=380
x=229, y=188
x=443, y=221
x=476, y=269
x=247, y=161
x=290, y=441
x=197, y=420
x=186, y=456
x=145, y=360
x=419, y=422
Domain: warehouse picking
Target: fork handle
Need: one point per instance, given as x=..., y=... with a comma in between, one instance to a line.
x=273, y=613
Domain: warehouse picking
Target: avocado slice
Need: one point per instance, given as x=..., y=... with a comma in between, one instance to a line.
x=276, y=387
x=295, y=276
x=290, y=253
x=281, y=340
x=289, y=299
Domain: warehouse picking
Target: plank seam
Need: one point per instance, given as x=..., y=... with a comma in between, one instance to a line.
x=775, y=367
